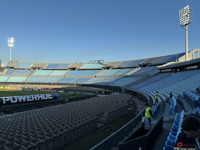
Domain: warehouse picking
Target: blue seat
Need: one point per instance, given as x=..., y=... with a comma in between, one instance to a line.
x=167, y=147
x=172, y=138
x=169, y=143
x=174, y=129
x=173, y=133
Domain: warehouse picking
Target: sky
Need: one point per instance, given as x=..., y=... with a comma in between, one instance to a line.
x=69, y=31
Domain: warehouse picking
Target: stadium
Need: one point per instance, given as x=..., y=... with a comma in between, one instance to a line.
x=51, y=122
x=96, y=104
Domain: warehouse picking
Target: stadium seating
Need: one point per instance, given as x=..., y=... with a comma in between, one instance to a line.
x=76, y=73
x=115, y=72
x=145, y=71
x=54, y=126
x=51, y=80
x=3, y=78
x=174, y=132
x=150, y=80
x=101, y=81
x=35, y=79
x=42, y=72
x=23, y=66
x=91, y=72
x=193, y=97
x=169, y=81
x=16, y=79
x=131, y=63
x=22, y=72
x=169, y=58
x=124, y=81
x=81, y=80
x=9, y=72
x=57, y=66
x=59, y=72
x=91, y=66
x=66, y=80
x=111, y=72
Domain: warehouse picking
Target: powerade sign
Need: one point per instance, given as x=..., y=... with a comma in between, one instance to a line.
x=28, y=98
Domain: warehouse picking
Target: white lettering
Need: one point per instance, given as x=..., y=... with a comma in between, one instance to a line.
x=29, y=98
x=26, y=98
x=50, y=96
x=20, y=98
x=34, y=97
x=14, y=99
x=39, y=97
x=6, y=99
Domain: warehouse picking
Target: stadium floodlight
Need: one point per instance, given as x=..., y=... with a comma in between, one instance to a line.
x=185, y=17
x=10, y=44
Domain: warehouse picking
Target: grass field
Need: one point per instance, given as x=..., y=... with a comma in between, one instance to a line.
x=65, y=95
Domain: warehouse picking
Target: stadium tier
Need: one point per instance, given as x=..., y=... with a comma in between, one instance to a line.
x=57, y=66
x=3, y=78
x=101, y=81
x=23, y=66
x=22, y=72
x=59, y=73
x=66, y=80
x=16, y=79
x=76, y=73
x=35, y=79
x=115, y=72
x=124, y=81
x=51, y=80
x=9, y=72
x=92, y=66
x=91, y=72
x=131, y=63
x=42, y=72
x=145, y=71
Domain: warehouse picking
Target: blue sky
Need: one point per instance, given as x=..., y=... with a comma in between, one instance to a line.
x=67, y=31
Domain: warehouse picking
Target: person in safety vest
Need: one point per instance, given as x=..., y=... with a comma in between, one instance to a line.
x=156, y=97
x=148, y=112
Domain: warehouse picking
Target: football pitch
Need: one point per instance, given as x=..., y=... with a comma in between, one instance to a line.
x=64, y=95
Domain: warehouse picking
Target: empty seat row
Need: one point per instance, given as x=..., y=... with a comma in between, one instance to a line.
x=191, y=96
x=174, y=132
x=25, y=130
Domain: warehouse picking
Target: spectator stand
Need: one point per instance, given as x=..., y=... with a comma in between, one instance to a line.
x=174, y=132
x=192, y=98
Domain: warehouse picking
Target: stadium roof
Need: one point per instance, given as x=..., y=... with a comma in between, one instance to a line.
x=181, y=64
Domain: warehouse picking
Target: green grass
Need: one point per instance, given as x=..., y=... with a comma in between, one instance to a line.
x=18, y=93
x=65, y=95
x=68, y=95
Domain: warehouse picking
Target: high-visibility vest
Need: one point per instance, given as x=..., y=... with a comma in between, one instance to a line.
x=147, y=114
x=156, y=96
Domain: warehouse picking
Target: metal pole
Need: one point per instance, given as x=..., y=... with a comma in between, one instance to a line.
x=10, y=53
x=186, y=42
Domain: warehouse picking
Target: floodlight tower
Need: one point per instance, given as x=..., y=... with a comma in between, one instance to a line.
x=10, y=44
x=185, y=16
